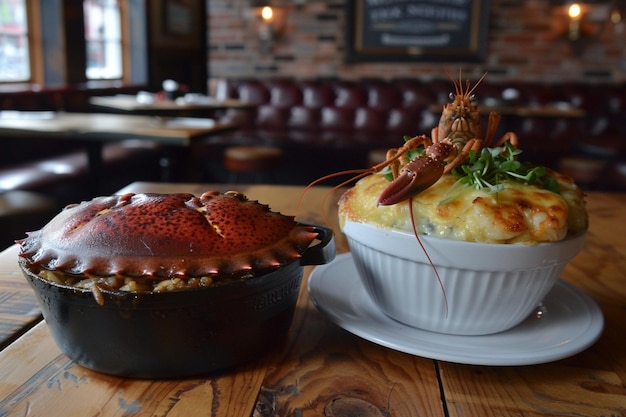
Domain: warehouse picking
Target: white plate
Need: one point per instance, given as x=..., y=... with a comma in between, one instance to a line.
x=570, y=323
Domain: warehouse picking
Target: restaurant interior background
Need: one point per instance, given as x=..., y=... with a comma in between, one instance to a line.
x=527, y=41
x=528, y=45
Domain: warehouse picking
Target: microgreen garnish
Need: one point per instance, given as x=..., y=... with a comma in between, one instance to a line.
x=491, y=166
x=489, y=169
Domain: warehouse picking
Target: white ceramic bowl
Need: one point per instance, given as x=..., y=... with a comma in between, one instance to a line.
x=489, y=288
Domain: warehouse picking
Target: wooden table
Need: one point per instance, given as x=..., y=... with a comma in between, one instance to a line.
x=323, y=370
x=125, y=103
x=93, y=129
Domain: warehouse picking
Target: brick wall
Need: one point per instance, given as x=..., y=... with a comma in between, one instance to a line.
x=524, y=45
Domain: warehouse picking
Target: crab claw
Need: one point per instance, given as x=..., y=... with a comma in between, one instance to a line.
x=415, y=177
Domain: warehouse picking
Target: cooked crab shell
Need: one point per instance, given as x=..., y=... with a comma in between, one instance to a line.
x=167, y=236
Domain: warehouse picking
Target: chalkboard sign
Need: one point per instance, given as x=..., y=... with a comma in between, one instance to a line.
x=404, y=30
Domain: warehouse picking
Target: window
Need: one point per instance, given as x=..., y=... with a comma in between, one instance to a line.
x=14, y=53
x=68, y=42
x=103, y=38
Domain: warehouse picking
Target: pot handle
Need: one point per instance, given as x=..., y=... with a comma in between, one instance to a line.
x=324, y=251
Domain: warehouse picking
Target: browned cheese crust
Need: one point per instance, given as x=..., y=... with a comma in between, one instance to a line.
x=517, y=214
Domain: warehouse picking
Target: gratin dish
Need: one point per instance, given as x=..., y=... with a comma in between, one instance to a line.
x=485, y=288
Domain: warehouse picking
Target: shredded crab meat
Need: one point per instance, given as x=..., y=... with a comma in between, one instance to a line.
x=131, y=284
x=125, y=284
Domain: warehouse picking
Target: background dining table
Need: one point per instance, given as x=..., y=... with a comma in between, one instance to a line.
x=92, y=130
x=197, y=105
x=321, y=369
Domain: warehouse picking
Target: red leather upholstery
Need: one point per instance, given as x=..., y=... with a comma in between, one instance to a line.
x=343, y=113
x=362, y=115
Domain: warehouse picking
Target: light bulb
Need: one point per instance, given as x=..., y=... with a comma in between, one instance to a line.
x=267, y=13
x=574, y=11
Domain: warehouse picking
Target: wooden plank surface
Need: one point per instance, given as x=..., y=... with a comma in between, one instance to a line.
x=319, y=368
x=322, y=370
x=326, y=371
x=62, y=388
x=18, y=305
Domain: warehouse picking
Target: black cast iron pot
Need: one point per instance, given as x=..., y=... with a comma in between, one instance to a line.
x=179, y=333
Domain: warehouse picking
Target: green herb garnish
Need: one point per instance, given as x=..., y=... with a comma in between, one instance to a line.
x=489, y=168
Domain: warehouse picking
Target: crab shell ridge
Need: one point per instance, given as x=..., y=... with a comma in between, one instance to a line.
x=167, y=235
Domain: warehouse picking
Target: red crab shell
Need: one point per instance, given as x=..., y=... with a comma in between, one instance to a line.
x=167, y=235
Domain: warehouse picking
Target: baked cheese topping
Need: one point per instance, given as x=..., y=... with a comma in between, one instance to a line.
x=519, y=213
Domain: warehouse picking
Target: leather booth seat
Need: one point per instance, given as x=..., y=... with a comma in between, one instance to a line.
x=328, y=113
x=64, y=177
x=350, y=118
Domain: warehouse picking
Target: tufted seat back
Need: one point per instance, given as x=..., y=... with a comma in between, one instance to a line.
x=376, y=113
x=320, y=111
